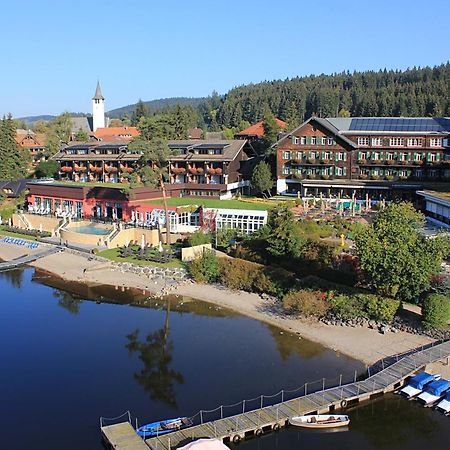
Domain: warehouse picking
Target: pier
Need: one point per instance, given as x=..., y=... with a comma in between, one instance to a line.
x=26, y=259
x=390, y=375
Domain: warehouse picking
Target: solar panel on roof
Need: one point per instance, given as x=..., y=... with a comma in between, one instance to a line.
x=400, y=124
x=212, y=145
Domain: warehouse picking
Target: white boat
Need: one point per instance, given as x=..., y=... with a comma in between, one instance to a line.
x=434, y=392
x=417, y=384
x=320, y=421
x=444, y=404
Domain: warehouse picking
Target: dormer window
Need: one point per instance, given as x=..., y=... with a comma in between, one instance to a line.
x=363, y=141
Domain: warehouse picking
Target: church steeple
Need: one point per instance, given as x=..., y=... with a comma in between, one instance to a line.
x=98, y=93
x=98, y=109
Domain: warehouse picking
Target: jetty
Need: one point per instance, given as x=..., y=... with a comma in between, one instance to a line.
x=26, y=259
x=389, y=375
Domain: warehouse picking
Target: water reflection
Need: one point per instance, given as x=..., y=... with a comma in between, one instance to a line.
x=156, y=377
x=15, y=277
x=68, y=301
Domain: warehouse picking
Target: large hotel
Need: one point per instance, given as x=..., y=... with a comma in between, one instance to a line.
x=386, y=157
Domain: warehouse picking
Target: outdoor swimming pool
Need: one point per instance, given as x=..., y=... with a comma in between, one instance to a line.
x=90, y=229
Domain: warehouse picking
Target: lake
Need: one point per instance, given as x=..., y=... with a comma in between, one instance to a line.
x=72, y=353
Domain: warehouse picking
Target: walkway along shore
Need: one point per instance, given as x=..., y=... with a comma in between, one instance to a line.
x=366, y=345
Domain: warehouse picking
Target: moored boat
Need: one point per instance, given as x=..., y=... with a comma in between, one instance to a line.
x=433, y=392
x=320, y=421
x=444, y=404
x=163, y=427
x=417, y=384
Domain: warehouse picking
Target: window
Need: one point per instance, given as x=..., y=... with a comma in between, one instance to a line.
x=286, y=155
x=286, y=170
x=403, y=156
x=324, y=141
x=433, y=173
x=312, y=155
x=299, y=155
x=414, y=142
x=435, y=142
x=330, y=141
x=363, y=141
x=375, y=156
x=417, y=157
x=295, y=140
x=340, y=156
x=303, y=140
x=396, y=142
x=313, y=140
x=402, y=173
x=377, y=141
x=431, y=157
x=390, y=156
x=338, y=171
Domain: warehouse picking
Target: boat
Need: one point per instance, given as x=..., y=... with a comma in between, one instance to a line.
x=205, y=444
x=163, y=427
x=417, y=384
x=444, y=404
x=320, y=421
x=434, y=392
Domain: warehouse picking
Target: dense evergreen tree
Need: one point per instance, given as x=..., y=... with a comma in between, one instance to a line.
x=139, y=112
x=414, y=92
x=13, y=158
x=262, y=178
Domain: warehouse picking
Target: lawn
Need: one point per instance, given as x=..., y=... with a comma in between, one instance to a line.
x=3, y=232
x=113, y=255
x=215, y=203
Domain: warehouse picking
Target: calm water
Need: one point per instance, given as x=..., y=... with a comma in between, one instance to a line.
x=66, y=361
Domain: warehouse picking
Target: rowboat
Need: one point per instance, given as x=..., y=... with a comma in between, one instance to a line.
x=444, y=404
x=434, y=392
x=417, y=384
x=320, y=421
x=163, y=427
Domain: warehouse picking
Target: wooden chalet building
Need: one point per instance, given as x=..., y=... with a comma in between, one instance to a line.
x=363, y=155
x=197, y=167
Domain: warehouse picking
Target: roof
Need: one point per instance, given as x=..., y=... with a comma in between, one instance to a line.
x=13, y=188
x=81, y=123
x=116, y=132
x=98, y=93
x=258, y=129
x=30, y=139
x=230, y=149
x=195, y=133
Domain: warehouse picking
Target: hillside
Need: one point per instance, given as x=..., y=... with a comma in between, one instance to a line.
x=409, y=93
x=156, y=105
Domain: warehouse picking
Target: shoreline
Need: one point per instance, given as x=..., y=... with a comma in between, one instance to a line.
x=363, y=344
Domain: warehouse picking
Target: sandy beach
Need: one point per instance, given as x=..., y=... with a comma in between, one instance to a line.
x=364, y=344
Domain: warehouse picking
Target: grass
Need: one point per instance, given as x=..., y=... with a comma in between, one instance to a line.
x=113, y=255
x=3, y=232
x=215, y=203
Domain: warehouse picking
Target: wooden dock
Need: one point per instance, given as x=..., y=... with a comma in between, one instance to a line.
x=272, y=418
x=122, y=436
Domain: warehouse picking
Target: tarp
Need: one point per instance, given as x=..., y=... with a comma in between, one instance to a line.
x=437, y=388
x=420, y=380
x=205, y=444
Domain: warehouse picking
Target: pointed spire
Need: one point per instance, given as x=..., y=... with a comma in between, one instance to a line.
x=98, y=93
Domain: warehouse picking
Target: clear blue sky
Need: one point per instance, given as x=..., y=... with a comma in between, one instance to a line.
x=54, y=51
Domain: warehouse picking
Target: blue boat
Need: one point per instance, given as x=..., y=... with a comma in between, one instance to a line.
x=417, y=384
x=163, y=427
x=434, y=392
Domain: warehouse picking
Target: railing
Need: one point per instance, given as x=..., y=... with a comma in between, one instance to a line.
x=104, y=421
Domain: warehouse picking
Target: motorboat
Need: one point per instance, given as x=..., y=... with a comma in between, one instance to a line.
x=163, y=427
x=417, y=384
x=205, y=444
x=320, y=421
x=444, y=404
x=434, y=392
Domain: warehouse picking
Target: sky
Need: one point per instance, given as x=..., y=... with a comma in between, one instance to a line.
x=53, y=52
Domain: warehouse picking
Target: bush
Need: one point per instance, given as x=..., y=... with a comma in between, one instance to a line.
x=307, y=302
x=436, y=311
x=35, y=233
x=367, y=306
x=199, y=238
x=205, y=268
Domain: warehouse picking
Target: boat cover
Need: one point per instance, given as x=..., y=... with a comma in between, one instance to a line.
x=420, y=380
x=205, y=444
x=437, y=388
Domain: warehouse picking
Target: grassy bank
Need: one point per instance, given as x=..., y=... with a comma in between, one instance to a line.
x=4, y=232
x=215, y=203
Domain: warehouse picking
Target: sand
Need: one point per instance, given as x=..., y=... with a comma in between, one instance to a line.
x=364, y=344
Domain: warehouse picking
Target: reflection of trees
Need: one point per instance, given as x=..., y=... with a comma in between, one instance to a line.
x=68, y=301
x=392, y=422
x=15, y=277
x=156, y=377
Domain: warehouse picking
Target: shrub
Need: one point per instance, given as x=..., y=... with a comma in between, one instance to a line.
x=347, y=307
x=35, y=233
x=206, y=268
x=199, y=238
x=307, y=302
x=436, y=311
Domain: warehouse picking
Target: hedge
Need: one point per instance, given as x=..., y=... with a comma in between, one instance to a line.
x=35, y=233
x=436, y=311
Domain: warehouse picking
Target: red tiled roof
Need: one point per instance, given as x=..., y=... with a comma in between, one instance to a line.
x=30, y=140
x=119, y=132
x=258, y=129
x=195, y=133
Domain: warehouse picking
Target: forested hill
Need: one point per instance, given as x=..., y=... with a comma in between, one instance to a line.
x=156, y=105
x=414, y=92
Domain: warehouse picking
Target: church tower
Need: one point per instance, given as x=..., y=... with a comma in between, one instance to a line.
x=98, y=109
